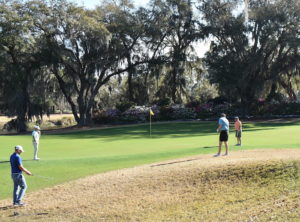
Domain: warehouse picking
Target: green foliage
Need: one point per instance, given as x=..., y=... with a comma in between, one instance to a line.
x=244, y=57
x=24, y=93
x=123, y=106
x=54, y=54
x=276, y=109
x=166, y=112
x=179, y=31
x=163, y=102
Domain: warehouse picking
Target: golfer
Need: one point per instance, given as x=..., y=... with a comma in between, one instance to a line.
x=224, y=131
x=238, y=130
x=36, y=134
x=19, y=181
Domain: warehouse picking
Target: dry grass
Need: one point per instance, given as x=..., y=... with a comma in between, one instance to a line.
x=4, y=119
x=52, y=117
x=256, y=185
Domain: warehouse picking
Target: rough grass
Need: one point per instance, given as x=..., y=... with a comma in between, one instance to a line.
x=254, y=185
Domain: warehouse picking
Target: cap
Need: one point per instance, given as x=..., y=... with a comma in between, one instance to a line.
x=236, y=117
x=18, y=147
x=37, y=127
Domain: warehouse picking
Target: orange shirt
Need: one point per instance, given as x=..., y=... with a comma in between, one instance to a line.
x=238, y=125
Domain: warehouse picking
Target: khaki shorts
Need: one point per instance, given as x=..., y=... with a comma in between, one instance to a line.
x=238, y=133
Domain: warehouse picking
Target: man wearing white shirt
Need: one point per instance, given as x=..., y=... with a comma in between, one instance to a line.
x=36, y=134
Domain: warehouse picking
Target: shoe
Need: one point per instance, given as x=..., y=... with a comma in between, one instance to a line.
x=36, y=158
x=20, y=204
x=237, y=144
x=226, y=154
x=216, y=155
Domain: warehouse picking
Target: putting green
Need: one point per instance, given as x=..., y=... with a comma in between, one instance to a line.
x=68, y=156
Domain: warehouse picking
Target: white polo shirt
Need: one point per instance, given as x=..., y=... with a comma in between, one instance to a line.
x=35, y=136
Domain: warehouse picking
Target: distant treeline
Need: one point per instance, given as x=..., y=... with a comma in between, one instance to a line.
x=57, y=55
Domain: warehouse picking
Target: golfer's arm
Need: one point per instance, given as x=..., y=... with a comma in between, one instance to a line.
x=24, y=170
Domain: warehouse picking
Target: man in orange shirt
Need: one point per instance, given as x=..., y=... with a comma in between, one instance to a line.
x=238, y=130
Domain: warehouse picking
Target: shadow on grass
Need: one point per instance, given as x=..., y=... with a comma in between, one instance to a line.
x=174, y=162
x=209, y=147
x=167, y=130
x=270, y=124
x=5, y=161
x=7, y=207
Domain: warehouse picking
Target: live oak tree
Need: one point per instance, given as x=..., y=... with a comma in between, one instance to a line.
x=180, y=31
x=127, y=26
x=19, y=72
x=84, y=49
x=245, y=57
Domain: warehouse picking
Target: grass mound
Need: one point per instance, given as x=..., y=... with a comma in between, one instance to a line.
x=247, y=186
x=252, y=192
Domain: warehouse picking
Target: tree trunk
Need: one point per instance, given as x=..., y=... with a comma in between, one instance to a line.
x=22, y=110
x=130, y=88
x=173, y=84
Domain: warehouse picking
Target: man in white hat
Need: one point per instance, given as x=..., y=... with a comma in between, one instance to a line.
x=20, y=185
x=36, y=134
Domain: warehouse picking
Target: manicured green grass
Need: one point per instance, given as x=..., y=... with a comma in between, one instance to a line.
x=69, y=156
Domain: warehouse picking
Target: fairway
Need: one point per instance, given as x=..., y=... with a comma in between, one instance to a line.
x=72, y=155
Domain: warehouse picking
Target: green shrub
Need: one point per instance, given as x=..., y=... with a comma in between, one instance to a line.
x=166, y=112
x=106, y=116
x=163, y=102
x=123, y=106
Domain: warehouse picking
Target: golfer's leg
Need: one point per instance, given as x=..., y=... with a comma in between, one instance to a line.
x=226, y=146
x=15, y=190
x=23, y=187
x=36, y=148
x=220, y=146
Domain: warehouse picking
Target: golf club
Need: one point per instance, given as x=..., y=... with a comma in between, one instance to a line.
x=47, y=178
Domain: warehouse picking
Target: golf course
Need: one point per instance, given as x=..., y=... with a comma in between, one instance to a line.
x=80, y=156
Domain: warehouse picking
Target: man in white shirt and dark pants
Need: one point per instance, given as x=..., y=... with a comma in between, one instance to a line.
x=36, y=134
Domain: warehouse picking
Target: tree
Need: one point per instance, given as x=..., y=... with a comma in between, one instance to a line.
x=127, y=25
x=82, y=51
x=244, y=57
x=179, y=31
x=19, y=64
